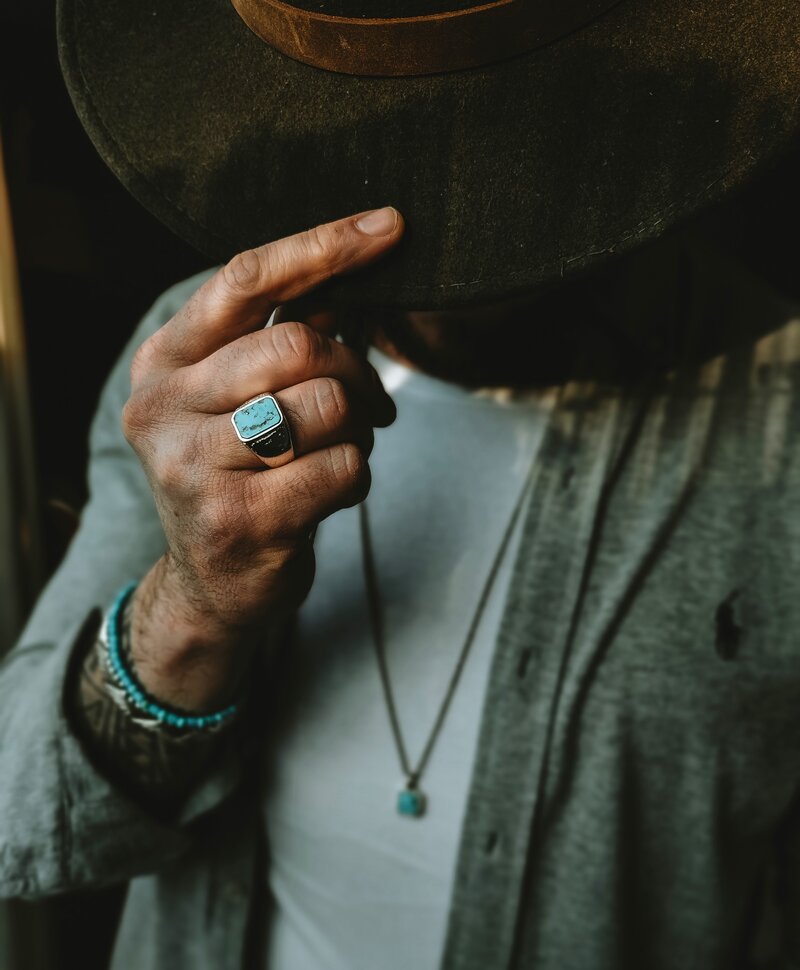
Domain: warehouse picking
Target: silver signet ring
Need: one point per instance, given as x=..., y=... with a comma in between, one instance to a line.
x=260, y=424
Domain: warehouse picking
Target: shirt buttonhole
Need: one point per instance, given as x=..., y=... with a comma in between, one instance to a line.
x=729, y=629
x=491, y=843
x=524, y=661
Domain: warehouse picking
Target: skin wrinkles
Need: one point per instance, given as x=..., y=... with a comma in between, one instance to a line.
x=592, y=326
x=516, y=343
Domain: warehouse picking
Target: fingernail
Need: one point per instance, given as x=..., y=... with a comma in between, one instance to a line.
x=379, y=222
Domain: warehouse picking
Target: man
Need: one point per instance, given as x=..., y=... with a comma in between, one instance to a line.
x=574, y=638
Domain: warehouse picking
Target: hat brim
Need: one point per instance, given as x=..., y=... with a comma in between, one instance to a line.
x=509, y=176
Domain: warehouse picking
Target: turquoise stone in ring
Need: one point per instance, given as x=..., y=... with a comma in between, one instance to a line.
x=255, y=418
x=411, y=801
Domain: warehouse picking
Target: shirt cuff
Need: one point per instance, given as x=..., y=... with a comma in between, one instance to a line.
x=63, y=824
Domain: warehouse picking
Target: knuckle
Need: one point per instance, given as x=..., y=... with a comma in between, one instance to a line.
x=184, y=453
x=322, y=244
x=256, y=350
x=178, y=464
x=131, y=418
x=351, y=470
x=137, y=413
x=243, y=272
x=217, y=523
x=332, y=402
x=298, y=341
x=170, y=471
x=148, y=404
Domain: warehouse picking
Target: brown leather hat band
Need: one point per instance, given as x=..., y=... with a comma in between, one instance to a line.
x=430, y=44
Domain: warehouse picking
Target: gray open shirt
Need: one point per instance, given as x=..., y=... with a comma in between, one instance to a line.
x=634, y=801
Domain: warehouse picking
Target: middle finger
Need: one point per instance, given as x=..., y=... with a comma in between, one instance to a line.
x=276, y=358
x=320, y=413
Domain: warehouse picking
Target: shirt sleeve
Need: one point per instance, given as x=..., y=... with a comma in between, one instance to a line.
x=63, y=824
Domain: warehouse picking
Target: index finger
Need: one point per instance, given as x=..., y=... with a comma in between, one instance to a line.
x=241, y=295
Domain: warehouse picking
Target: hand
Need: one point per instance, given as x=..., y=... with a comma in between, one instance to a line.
x=238, y=533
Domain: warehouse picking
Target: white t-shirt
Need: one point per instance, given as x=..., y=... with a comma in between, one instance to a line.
x=354, y=885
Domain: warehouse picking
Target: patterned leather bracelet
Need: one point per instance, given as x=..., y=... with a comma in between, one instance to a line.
x=113, y=644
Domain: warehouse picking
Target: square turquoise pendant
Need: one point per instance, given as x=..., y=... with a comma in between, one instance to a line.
x=411, y=801
x=255, y=418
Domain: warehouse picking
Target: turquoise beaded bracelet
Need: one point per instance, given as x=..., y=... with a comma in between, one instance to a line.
x=135, y=695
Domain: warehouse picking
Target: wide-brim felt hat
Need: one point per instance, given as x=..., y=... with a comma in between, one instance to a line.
x=514, y=174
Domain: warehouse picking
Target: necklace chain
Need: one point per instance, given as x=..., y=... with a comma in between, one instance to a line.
x=413, y=774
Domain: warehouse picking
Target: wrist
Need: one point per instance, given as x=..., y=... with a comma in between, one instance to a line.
x=181, y=653
x=125, y=687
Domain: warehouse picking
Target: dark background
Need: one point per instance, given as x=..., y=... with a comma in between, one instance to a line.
x=91, y=262
x=91, y=259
